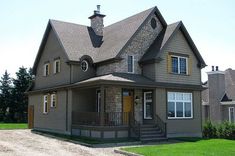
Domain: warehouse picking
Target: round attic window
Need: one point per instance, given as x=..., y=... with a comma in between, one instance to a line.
x=84, y=65
x=153, y=23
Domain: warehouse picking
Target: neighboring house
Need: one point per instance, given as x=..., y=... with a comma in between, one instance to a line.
x=218, y=100
x=138, y=77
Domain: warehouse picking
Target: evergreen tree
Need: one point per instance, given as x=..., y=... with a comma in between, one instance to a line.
x=5, y=96
x=21, y=83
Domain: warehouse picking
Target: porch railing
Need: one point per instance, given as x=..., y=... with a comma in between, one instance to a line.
x=100, y=119
x=161, y=124
x=135, y=128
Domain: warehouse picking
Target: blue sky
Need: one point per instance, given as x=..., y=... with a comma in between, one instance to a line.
x=211, y=24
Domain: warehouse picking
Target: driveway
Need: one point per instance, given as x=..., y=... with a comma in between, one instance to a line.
x=25, y=143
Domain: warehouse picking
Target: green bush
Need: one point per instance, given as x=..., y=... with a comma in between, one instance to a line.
x=224, y=130
x=209, y=130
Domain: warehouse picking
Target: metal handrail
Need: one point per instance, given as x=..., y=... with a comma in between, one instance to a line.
x=135, y=127
x=161, y=124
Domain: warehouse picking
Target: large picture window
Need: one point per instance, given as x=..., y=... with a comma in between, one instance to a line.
x=179, y=65
x=179, y=105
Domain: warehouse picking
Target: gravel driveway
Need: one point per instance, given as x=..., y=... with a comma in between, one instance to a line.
x=25, y=143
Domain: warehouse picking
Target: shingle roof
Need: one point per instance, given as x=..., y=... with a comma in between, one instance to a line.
x=230, y=83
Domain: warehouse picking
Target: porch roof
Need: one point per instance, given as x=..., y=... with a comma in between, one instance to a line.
x=118, y=78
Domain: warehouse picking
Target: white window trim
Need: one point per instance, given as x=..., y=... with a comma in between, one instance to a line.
x=183, y=106
x=133, y=66
x=98, y=95
x=53, y=97
x=44, y=69
x=87, y=65
x=229, y=110
x=145, y=104
x=178, y=59
x=58, y=60
x=45, y=107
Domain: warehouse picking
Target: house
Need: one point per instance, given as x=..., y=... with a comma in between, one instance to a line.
x=218, y=100
x=139, y=77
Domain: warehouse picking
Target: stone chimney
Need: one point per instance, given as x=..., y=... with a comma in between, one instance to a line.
x=97, y=23
x=216, y=84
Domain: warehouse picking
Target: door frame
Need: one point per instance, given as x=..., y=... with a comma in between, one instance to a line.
x=229, y=115
x=144, y=105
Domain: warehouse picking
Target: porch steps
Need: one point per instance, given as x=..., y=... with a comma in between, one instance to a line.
x=151, y=133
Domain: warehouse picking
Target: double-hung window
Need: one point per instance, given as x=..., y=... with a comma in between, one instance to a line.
x=45, y=104
x=46, y=69
x=53, y=100
x=180, y=105
x=130, y=64
x=179, y=65
x=56, y=66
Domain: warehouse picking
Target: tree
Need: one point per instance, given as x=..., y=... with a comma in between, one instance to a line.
x=21, y=83
x=5, y=95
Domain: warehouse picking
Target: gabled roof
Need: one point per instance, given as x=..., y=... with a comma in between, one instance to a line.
x=162, y=40
x=78, y=40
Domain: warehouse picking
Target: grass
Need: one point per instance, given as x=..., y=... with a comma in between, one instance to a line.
x=13, y=126
x=84, y=139
x=191, y=147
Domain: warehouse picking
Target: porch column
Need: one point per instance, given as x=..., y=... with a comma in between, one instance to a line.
x=102, y=103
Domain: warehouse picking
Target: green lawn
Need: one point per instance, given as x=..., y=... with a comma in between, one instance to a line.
x=212, y=147
x=13, y=126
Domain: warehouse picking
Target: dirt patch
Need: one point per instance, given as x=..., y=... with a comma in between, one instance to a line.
x=25, y=143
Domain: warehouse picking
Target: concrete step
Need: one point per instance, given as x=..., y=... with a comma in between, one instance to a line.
x=151, y=132
x=155, y=139
x=152, y=135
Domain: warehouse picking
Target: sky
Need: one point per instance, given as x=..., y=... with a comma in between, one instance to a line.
x=211, y=24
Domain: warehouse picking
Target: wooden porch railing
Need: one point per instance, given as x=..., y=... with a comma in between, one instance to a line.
x=100, y=119
x=161, y=124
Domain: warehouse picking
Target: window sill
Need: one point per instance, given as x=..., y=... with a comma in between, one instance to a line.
x=179, y=74
x=180, y=118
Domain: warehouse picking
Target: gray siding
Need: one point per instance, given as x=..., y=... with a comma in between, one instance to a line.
x=55, y=119
x=149, y=71
x=52, y=50
x=180, y=127
x=177, y=44
x=137, y=47
x=77, y=74
x=225, y=112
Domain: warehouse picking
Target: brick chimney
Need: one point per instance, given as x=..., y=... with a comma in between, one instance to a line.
x=97, y=23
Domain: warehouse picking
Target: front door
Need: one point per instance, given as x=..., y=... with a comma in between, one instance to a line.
x=231, y=114
x=128, y=98
x=148, y=106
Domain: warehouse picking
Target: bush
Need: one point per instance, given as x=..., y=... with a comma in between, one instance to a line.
x=224, y=130
x=209, y=130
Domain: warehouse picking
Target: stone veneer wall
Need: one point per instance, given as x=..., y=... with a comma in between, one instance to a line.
x=113, y=101
x=137, y=47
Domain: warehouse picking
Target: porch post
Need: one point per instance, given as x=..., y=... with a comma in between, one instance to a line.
x=102, y=103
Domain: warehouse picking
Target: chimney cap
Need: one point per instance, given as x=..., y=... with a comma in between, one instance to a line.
x=97, y=13
x=212, y=68
x=217, y=68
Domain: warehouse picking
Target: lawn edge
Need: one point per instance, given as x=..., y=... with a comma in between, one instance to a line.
x=119, y=151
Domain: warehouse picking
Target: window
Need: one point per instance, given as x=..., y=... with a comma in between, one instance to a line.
x=148, y=103
x=45, y=104
x=53, y=100
x=179, y=65
x=231, y=114
x=98, y=100
x=179, y=105
x=130, y=63
x=56, y=66
x=46, y=69
x=84, y=65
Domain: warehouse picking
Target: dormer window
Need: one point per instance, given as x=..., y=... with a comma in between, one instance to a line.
x=56, y=66
x=130, y=64
x=84, y=65
x=46, y=70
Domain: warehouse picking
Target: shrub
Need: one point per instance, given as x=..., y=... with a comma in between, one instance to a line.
x=209, y=130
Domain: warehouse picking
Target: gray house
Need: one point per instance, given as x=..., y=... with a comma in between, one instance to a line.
x=139, y=77
x=218, y=100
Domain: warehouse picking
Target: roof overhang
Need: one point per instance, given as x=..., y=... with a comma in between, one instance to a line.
x=228, y=103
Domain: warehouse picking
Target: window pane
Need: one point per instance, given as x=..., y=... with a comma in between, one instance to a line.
x=171, y=96
x=130, y=63
x=148, y=109
x=188, y=109
x=171, y=109
x=148, y=96
x=179, y=109
x=187, y=97
x=183, y=66
x=179, y=96
x=174, y=64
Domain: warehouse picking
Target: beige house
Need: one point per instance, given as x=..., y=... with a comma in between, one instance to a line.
x=139, y=77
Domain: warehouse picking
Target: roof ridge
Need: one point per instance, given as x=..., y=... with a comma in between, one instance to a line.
x=53, y=20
